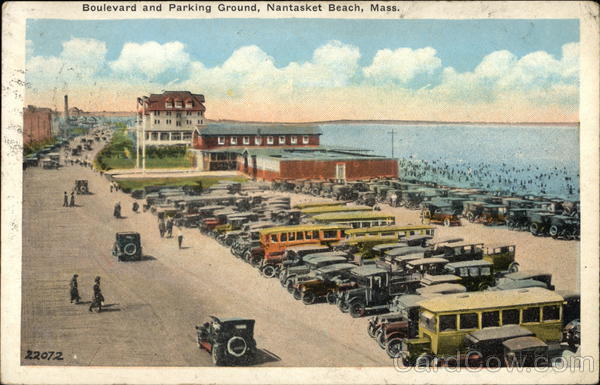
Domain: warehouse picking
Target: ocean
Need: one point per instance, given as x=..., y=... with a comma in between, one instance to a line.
x=534, y=159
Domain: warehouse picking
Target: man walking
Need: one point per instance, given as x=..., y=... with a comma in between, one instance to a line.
x=98, y=298
x=161, y=228
x=179, y=236
x=74, y=290
x=72, y=203
x=170, y=228
x=66, y=200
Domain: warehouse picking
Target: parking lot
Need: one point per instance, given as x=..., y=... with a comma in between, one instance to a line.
x=154, y=304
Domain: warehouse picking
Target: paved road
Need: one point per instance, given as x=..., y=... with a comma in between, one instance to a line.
x=155, y=304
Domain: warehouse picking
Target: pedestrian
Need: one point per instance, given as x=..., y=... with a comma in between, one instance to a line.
x=66, y=200
x=179, y=236
x=170, y=228
x=72, y=203
x=161, y=228
x=117, y=210
x=111, y=188
x=74, y=289
x=98, y=298
x=135, y=207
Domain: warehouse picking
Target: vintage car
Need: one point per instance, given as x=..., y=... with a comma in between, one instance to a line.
x=446, y=215
x=539, y=222
x=487, y=344
x=228, y=341
x=572, y=334
x=475, y=275
x=50, y=164
x=525, y=352
x=517, y=218
x=502, y=257
x=310, y=263
x=127, y=246
x=524, y=279
x=81, y=186
x=294, y=255
x=326, y=282
x=562, y=226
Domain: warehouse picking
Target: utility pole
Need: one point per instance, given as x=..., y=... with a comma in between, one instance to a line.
x=392, y=132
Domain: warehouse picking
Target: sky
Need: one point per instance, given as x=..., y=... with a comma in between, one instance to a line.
x=313, y=69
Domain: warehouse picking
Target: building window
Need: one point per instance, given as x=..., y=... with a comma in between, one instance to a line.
x=199, y=113
x=233, y=140
x=282, y=140
x=178, y=104
x=199, y=121
x=168, y=113
x=178, y=124
x=293, y=139
x=187, y=136
x=221, y=140
x=147, y=136
x=246, y=140
x=168, y=105
x=188, y=105
x=305, y=139
x=188, y=113
x=155, y=136
x=157, y=113
x=176, y=136
x=258, y=140
x=178, y=114
x=270, y=140
x=156, y=121
x=168, y=121
x=164, y=136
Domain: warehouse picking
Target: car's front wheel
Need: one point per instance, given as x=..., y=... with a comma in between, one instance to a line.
x=308, y=298
x=394, y=347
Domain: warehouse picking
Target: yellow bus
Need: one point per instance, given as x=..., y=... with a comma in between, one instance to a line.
x=357, y=219
x=307, y=205
x=312, y=211
x=444, y=321
x=397, y=231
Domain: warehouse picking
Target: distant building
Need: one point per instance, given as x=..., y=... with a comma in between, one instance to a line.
x=38, y=124
x=170, y=118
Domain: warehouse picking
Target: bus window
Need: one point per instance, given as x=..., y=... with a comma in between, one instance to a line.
x=300, y=236
x=309, y=235
x=486, y=271
x=531, y=314
x=490, y=318
x=474, y=271
x=463, y=272
x=412, y=232
x=469, y=321
x=355, y=225
x=390, y=234
x=551, y=313
x=447, y=322
x=315, y=234
x=292, y=237
x=274, y=238
x=428, y=322
x=510, y=317
x=283, y=237
x=330, y=234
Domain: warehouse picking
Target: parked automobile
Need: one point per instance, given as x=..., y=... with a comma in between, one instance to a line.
x=539, y=222
x=325, y=282
x=81, y=186
x=562, y=226
x=228, y=341
x=127, y=246
x=433, y=213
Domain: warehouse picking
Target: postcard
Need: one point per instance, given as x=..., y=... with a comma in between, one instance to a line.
x=300, y=192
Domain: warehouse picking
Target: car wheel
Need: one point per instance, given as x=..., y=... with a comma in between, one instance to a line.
x=269, y=271
x=357, y=309
x=534, y=228
x=394, y=348
x=483, y=286
x=513, y=267
x=297, y=294
x=380, y=338
x=331, y=298
x=130, y=249
x=308, y=298
x=470, y=217
x=553, y=231
x=424, y=360
x=237, y=346
x=289, y=285
x=343, y=306
x=372, y=330
x=447, y=222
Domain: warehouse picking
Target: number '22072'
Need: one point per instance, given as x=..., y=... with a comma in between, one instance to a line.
x=36, y=355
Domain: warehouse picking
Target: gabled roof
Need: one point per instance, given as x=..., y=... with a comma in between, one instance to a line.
x=156, y=102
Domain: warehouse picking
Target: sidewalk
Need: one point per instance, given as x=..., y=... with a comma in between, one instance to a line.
x=167, y=172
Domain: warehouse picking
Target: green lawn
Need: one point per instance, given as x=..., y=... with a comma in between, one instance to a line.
x=167, y=162
x=133, y=184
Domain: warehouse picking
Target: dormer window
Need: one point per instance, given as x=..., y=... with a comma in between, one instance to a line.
x=189, y=104
x=178, y=104
x=168, y=104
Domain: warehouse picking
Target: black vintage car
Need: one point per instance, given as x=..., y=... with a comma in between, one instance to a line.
x=127, y=246
x=229, y=341
x=539, y=222
x=81, y=186
x=563, y=226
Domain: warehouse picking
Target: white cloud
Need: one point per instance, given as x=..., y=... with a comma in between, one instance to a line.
x=403, y=65
x=151, y=59
x=79, y=61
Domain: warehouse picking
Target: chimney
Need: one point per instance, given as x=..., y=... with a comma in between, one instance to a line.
x=66, y=114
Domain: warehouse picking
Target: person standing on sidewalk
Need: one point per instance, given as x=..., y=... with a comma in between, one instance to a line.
x=66, y=200
x=74, y=289
x=179, y=236
x=161, y=228
x=72, y=203
x=170, y=228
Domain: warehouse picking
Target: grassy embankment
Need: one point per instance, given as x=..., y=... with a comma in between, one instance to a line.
x=205, y=181
x=120, y=154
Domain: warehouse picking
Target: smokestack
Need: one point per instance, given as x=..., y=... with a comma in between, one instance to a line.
x=66, y=107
